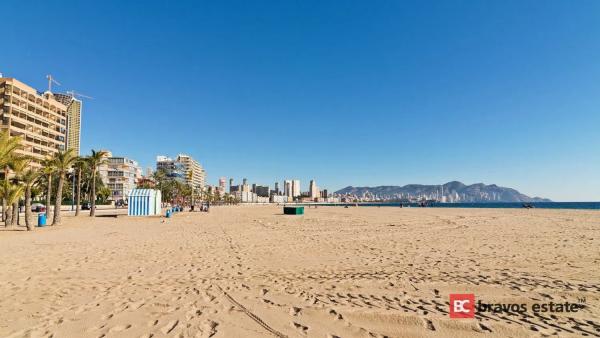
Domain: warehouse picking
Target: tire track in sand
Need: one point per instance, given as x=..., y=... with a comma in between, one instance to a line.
x=252, y=315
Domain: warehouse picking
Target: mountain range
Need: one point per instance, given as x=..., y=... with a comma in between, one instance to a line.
x=450, y=192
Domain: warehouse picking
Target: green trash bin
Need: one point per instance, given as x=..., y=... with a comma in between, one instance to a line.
x=293, y=210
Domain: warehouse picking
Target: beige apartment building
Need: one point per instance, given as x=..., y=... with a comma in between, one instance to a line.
x=73, y=120
x=39, y=119
x=195, y=175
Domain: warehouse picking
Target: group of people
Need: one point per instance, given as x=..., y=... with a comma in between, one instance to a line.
x=205, y=206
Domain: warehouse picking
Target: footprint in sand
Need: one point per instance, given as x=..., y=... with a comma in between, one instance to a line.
x=303, y=329
x=294, y=311
x=170, y=326
x=119, y=328
x=336, y=315
x=209, y=328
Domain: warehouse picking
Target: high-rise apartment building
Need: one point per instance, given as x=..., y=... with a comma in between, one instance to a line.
x=73, y=120
x=171, y=168
x=296, y=188
x=195, y=175
x=184, y=168
x=39, y=119
x=262, y=190
x=120, y=175
x=287, y=188
x=222, y=183
x=313, y=190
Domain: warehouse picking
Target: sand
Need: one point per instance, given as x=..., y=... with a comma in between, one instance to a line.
x=249, y=271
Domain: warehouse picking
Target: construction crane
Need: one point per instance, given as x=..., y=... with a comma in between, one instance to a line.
x=50, y=81
x=76, y=94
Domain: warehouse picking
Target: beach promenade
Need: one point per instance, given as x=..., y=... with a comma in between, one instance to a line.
x=249, y=271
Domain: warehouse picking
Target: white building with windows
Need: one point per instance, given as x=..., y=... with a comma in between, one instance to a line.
x=296, y=188
x=120, y=175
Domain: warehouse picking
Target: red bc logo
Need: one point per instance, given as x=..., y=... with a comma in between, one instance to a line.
x=462, y=305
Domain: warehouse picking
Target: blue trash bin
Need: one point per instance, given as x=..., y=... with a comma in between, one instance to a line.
x=41, y=219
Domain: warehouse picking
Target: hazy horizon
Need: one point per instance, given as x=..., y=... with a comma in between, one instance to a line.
x=352, y=93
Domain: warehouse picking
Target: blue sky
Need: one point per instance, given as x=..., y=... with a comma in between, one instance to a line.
x=346, y=92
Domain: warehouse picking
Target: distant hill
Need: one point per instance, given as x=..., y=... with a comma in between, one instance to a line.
x=452, y=192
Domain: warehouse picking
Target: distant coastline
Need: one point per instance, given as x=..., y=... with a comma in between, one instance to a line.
x=454, y=192
x=480, y=205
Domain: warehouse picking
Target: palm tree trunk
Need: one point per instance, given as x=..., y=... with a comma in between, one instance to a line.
x=28, y=215
x=15, y=212
x=8, y=219
x=4, y=204
x=48, y=195
x=78, y=200
x=93, y=197
x=58, y=201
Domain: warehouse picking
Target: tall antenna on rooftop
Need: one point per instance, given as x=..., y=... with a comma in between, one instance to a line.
x=50, y=81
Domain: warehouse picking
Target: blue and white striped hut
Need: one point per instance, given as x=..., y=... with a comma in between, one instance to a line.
x=144, y=202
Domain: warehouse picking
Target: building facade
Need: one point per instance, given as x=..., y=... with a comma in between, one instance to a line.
x=287, y=188
x=39, y=119
x=195, y=175
x=120, y=175
x=222, y=184
x=296, y=188
x=73, y=120
x=184, y=168
x=313, y=190
x=171, y=167
x=262, y=190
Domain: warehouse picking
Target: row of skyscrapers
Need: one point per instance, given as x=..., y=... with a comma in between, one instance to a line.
x=291, y=191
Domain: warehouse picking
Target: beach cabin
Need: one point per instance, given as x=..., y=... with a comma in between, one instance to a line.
x=144, y=202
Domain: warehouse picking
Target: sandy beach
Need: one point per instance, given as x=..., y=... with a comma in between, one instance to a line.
x=249, y=271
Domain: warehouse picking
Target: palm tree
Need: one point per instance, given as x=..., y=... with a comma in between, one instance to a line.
x=18, y=166
x=29, y=178
x=8, y=145
x=63, y=161
x=48, y=171
x=94, y=161
x=80, y=166
x=189, y=177
x=11, y=193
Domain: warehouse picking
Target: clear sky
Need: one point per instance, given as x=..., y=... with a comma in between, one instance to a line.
x=346, y=92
